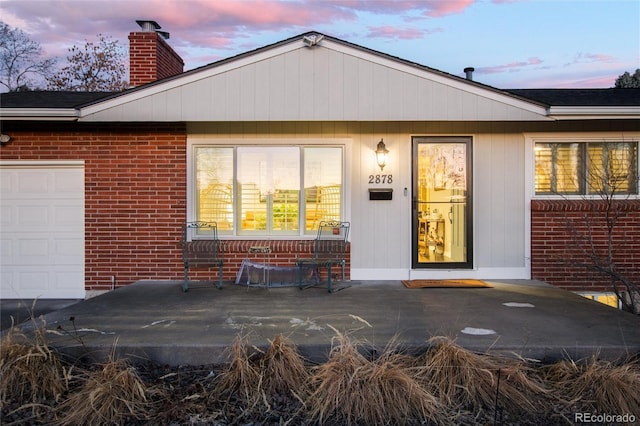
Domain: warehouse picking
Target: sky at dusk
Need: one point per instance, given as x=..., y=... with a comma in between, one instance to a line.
x=510, y=43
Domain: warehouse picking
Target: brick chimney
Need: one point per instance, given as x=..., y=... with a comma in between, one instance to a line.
x=150, y=56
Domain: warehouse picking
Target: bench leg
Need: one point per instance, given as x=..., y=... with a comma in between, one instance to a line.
x=220, y=277
x=329, y=277
x=299, y=275
x=185, y=284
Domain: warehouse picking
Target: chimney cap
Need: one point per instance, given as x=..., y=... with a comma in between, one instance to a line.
x=469, y=73
x=148, y=25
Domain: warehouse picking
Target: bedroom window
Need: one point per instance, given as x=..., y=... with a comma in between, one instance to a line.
x=586, y=168
x=268, y=190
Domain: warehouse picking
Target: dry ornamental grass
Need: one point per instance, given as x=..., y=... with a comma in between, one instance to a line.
x=240, y=377
x=445, y=385
x=284, y=369
x=112, y=394
x=597, y=385
x=463, y=379
x=30, y=371
x=350, y=389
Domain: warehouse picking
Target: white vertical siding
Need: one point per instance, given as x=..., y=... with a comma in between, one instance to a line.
x=381, y=230
x=316, y=84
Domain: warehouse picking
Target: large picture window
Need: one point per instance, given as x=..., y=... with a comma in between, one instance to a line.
x=268, y=190
x=586, y=168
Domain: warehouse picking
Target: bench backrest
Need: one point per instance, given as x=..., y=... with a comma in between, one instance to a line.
x=331, y=241
x=200, y=249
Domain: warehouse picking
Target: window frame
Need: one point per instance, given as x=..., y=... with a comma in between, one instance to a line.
x=194, y=143
x=584, y=187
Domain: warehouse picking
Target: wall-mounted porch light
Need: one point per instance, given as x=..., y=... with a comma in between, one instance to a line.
x=381, y=154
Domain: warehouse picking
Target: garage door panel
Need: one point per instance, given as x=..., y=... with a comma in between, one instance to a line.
x=7, y=290
x=33, y=249
x=68, y=215
x=67, y=280
x=67, y=183
x=6, y=215
x=30, y=284
x=70, y=248
x=42, y=235
x=32, y=215
x=6, y=249
x=33, y=280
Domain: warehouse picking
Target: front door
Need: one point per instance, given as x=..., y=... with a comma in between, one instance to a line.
x=442, y=203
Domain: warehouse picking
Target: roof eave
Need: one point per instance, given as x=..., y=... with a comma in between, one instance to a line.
x=594, y=112
x=39, y=114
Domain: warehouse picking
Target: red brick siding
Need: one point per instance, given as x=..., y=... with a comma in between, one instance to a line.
x=135, y=198
x=283, y=253
x=151, y=58
x=555, y=249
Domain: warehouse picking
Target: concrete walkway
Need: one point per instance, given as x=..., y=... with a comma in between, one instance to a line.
x=157, y=321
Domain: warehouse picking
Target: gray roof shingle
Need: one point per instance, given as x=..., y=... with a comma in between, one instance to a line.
x=48, y=99
x=581, y=97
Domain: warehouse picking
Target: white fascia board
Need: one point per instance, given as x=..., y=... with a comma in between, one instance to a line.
x=39, y=114
x=190, y=77
x=420, y=71
x=594, y=112
x=42, y=163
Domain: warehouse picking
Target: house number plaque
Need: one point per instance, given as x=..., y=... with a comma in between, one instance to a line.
x=380, y=179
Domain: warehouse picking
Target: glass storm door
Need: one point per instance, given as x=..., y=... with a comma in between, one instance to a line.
x=442, y=203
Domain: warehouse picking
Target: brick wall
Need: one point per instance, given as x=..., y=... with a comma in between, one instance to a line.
x=556, y=245
x=151, y=58
x=283, y=253
x=135, y=198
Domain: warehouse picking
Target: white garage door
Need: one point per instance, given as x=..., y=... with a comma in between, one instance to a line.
x=41, y=230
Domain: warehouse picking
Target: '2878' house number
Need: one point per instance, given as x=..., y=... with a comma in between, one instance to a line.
x=380, y=179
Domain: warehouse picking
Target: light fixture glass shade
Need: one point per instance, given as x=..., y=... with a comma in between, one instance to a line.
x=381, y=154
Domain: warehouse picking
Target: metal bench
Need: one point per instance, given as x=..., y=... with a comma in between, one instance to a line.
x=201, y=248
x=329, y=248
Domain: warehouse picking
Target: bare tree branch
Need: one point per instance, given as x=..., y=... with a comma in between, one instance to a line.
x=95, y=67
x=20, y=60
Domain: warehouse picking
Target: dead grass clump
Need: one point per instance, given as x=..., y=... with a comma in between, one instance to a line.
x=111, y=394
x=464, y=379
x=241, y=377
x=283, y=369
x=30, y=371
x=597, y=385
x=349, y=389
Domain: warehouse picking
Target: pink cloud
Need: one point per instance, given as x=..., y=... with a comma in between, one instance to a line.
x=396, y=33
x=585, y=58
x=577, y=81
x=592, y=82
x=510, y=67
x=443, y=8
x=430, y=8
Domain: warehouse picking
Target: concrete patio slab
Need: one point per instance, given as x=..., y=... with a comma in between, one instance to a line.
x=155, y=320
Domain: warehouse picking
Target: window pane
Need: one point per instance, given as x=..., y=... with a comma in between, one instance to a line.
x=586, y=168
x=567, y=164
x=612, y=168
x=557, y=168
x=544, y=168
x=322, y=185
x=214, y=186
x=268, y=188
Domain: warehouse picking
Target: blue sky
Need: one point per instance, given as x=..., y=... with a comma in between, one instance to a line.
x=511, y=43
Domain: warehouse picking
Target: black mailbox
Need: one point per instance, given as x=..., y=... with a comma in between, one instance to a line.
x=380, y=193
